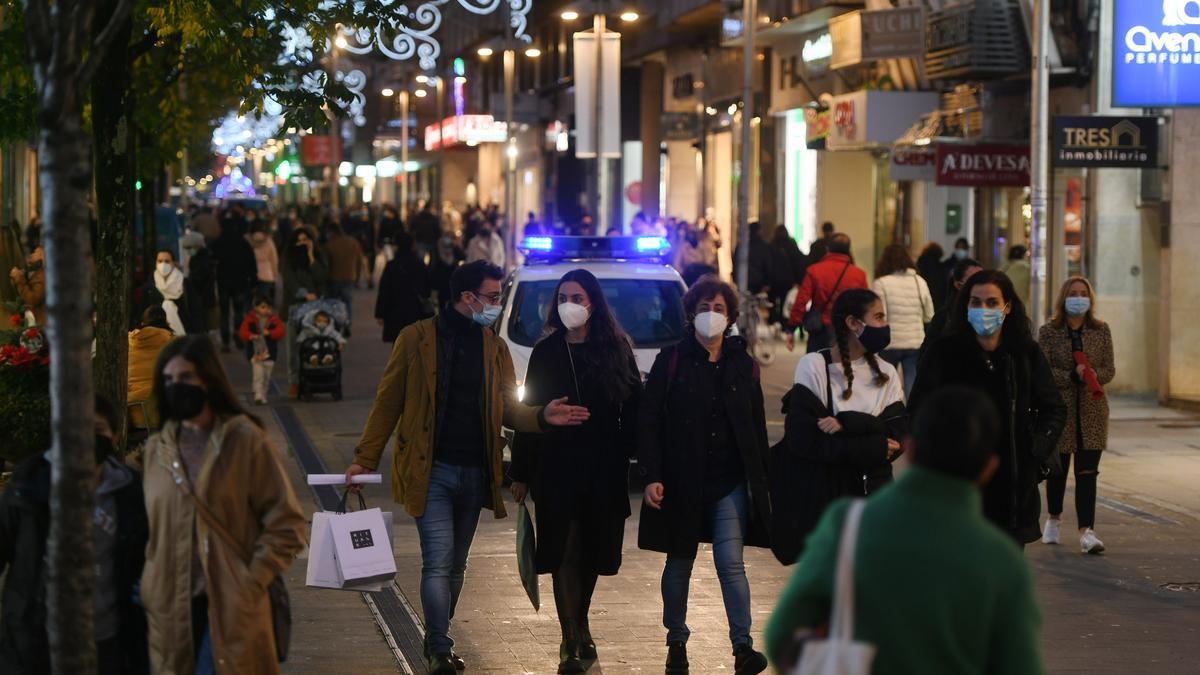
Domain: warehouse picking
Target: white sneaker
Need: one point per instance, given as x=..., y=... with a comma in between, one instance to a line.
x=1088, y=543
x=1050, y=536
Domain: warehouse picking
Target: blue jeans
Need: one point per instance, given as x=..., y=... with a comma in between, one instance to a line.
x=343, y=290
x=727, y=518
x=906, y=361
x=456, y=496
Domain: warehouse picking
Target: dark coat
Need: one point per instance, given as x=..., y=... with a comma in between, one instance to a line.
x=403, y=296
x=301, y=277
x=811, y=469
x=931, y=269
x=237, y=269
x=578, y=473
x=202, y=278
x=1032, y=414
x=672, y=437
x=24, y=529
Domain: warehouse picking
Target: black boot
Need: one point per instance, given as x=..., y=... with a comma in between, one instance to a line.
x=441, y=664
x=677, y=660
x=568, y=652
x=587, y=645
x=746, y=661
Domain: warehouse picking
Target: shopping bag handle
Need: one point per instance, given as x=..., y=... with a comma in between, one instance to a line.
x=362, y=503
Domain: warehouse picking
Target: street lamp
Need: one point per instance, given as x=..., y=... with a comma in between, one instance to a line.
x=387, y=92
x=533, y=52
x=569, y=15
x=629, y=16
x=484, y=52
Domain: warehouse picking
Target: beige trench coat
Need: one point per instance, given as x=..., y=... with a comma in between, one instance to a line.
x=244, y=483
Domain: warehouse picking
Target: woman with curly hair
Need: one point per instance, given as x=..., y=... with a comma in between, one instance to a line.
x=702, y=452
x=845, y=419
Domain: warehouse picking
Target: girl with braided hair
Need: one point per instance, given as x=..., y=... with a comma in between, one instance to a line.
x=845, y=419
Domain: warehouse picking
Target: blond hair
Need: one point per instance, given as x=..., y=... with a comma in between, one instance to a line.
x=1060, y=306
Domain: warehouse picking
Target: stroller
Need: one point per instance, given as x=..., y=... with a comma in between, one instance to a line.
x=320, y=356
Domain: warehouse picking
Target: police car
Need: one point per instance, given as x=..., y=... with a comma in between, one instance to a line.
x=643, y=291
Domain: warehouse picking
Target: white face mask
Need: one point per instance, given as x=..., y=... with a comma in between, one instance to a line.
x=710, y=324
x=164, y=268
x=573, y=316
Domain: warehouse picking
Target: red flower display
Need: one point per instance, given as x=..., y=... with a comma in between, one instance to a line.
x=15, y=320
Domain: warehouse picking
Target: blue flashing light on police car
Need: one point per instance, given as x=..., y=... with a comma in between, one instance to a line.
x=549, y=249
x=656, y=245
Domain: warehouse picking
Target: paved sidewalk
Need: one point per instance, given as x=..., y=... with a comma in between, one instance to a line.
x=1136, y=609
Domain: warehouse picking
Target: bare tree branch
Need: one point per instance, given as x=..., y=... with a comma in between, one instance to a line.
x=102, y=42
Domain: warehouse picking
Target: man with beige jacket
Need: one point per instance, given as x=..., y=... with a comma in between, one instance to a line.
x=447, y=389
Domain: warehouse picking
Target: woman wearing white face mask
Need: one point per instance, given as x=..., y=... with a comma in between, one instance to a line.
x=702, y=449
x=579, y=476
x=169, y=291
x=1079, y=348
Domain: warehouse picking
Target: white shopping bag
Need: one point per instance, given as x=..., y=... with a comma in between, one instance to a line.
x=361, y=547
x=840, y=653
x=322, y=565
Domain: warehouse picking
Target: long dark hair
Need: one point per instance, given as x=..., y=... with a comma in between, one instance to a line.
x=853, y=302
x=612, y=346
x=957, y=274
x=1016, y=331
x=202, y=354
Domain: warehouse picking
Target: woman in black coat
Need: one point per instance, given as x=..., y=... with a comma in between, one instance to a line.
x=579, y=476
x=988, y=345
x=403, y=296
x=702, y=450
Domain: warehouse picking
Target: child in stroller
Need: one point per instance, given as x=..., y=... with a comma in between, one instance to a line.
x=320, y=344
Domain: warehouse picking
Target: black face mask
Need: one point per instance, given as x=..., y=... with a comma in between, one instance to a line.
x=875, y=339
x=103, y=449
x=185, y=400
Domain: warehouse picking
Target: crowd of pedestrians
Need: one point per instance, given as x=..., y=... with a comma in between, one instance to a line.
x=935, y=360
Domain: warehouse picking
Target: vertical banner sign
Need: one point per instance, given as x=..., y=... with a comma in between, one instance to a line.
x=1156, y=53
x=608, y=90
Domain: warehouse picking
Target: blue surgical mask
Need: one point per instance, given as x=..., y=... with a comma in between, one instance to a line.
x=985, y=321
x=486, y=316
x=960, y=253
x=1077, y=306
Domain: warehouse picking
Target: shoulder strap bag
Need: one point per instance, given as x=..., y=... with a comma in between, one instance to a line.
x=814, y=318
x=839, y=654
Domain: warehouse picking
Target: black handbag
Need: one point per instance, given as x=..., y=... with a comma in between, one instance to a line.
x=814, y=319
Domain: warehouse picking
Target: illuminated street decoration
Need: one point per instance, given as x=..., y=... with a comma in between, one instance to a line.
x=406, y=41
x=356, y=82
x=246, y=131
x=234, y=183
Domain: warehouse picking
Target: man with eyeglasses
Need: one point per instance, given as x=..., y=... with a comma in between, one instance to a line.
x=447, y=389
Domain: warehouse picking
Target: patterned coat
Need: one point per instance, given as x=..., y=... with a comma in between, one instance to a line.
x=1091, y=415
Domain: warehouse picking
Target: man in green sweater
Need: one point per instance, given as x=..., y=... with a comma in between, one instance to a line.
x=938, y=589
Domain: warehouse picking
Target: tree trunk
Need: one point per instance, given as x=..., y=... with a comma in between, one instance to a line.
x=112, y=112
x=65, y=176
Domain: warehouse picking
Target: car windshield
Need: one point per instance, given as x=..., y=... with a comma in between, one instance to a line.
x=651, y=312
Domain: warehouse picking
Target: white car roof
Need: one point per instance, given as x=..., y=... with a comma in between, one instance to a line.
x=603, y=269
